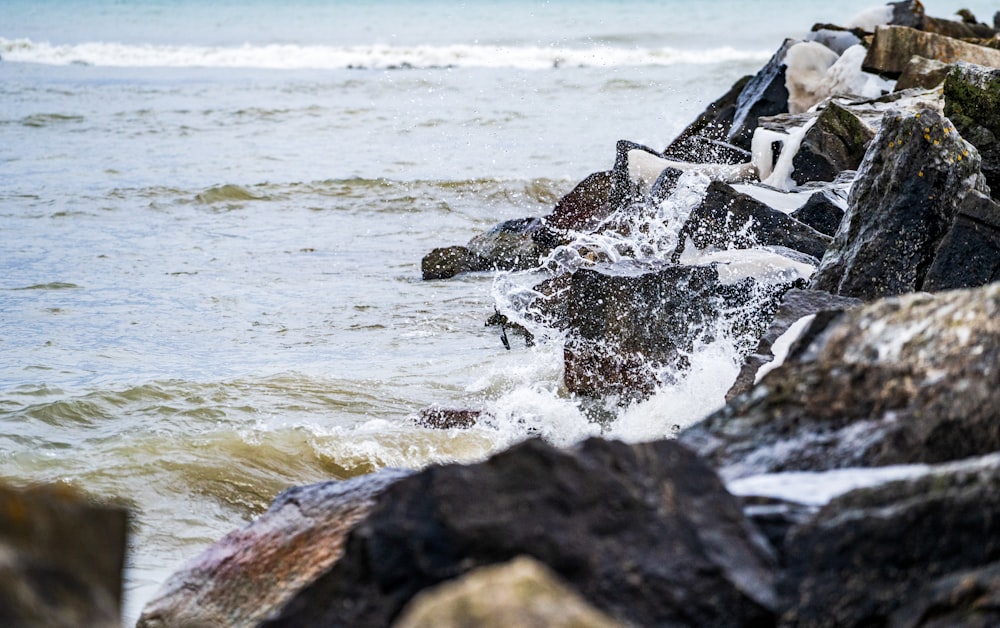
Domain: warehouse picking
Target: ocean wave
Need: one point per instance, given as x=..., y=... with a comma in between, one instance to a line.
x=292, y=57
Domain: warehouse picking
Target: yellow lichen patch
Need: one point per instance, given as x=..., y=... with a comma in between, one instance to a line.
x=920, y=174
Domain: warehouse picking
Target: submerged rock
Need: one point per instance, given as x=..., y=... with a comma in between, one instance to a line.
x=836, y=142
x=446, y=262
x=508, y=246
x=972, y=102
x=62, y=559
x=902, y=380
x=893, y=46
x=730, y=219
x=867, y=553
x=251, y=573
x=522, y=592
x=913, y=178
x=647, y=533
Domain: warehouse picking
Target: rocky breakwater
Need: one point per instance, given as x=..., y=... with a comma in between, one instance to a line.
x=842, y=236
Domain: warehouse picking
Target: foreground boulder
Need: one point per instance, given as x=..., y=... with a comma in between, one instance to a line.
x=62, y=559
x=967, y=598
x=647, y=533
x=522, y=592
x=870, y=552
x=915, y=175
x=902, y=380
x=252, y=572
x=969, y=255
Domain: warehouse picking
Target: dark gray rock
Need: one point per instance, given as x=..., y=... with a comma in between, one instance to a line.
x=711, y=126
x=729, y=219
x=646, y=533
x=969, y=255
x=764, y=95
x=908, y=13
x=823, y=212
x=835, y=143
x=252, y=572
x=62, y=559
x=903, y=380
x=968, y=28
x=628, y=323
x=869, y=551
x=966, y=599
x=913, y=178
x=972, y=102
x=795, y=304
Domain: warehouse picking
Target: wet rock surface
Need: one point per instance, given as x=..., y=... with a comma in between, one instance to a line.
x=253, y=572
x=836, y=142
x=646, y=533
x=898, y=381
x=972, y=103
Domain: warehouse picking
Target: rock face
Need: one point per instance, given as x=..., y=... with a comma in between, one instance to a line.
x=446, y=262
x=252, y=572
x=969, y=255
x=922, y=73
x=893, y=46
x=915, y=175
x=763, y=95
x=62, y=559
x=522, y=592
x=586, y=205
x=646, y=533
x=866, y=553
x=836, y=142
x=627, y=324
x=972, y=102
x=729, y=219
x=904, y=380
x=822, y=212
x=795, y=304
x=970, y=599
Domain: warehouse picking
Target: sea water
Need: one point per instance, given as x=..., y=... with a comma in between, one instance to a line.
x=212, y=217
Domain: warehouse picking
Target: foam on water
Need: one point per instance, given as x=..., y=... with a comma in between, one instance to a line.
x=376, y=56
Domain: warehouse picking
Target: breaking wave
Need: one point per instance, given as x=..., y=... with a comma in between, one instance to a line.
x=293, y=56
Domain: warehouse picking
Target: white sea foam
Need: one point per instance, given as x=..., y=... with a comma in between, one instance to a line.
x=292, y=56
x=816, y=488
x=870, y=18
x=782, y=345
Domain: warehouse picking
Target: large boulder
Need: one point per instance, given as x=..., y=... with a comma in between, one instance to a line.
x=62, y=559
x=730, y=219
x=922, y=73
x=902, y=380
x=914, y=176
x=628, y=323
x=893, y=46
x=969, y=255
x=252, y=572
x=586, y=205
x=836, y=142
x=867, y=553
x=972, y=102
x=647, y=533
x=522, y=592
